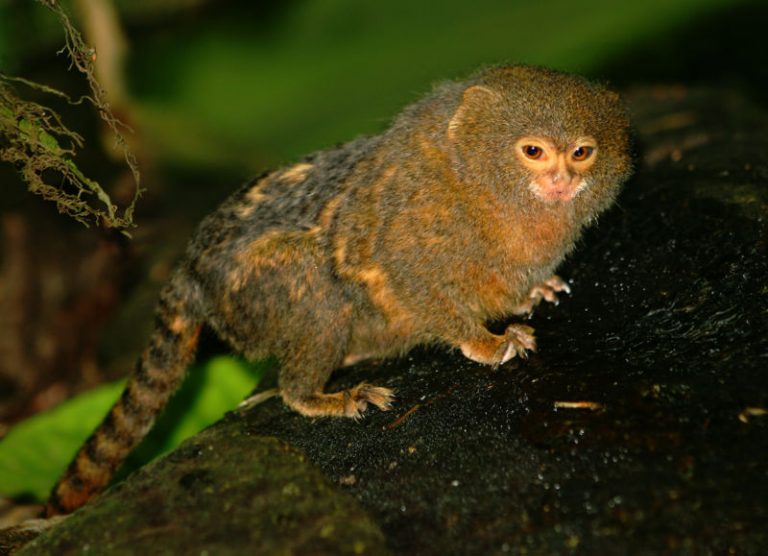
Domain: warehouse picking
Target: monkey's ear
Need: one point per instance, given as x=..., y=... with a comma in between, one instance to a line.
x=474, y=99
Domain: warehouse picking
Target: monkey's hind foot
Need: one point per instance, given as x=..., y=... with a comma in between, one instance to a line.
x=546, y=291
x=347, y=403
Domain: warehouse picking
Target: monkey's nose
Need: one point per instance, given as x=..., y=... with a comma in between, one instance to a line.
x=564, y=177
x=561, y=179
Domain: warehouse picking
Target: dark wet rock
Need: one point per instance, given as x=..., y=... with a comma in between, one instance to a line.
x=222, y=492
x=638, y=428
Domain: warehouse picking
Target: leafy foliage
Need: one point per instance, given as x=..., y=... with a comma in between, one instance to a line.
x=36, y=452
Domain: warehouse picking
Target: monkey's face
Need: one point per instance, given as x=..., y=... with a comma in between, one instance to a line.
x=535, y=135
x=557, y=174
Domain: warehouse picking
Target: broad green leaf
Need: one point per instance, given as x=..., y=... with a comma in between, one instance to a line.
x=208, y=393
x=35, y=452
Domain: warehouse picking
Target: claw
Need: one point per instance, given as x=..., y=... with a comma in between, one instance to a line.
x=520, y=340
x=547, y=291
x=558, y=284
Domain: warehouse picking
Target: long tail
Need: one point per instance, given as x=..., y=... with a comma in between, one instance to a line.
x=158, y=374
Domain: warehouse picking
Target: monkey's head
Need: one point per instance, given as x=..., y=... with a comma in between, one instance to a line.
x=541, y=135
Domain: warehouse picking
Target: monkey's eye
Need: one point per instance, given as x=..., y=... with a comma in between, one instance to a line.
x=533, y=152
x=582, y=153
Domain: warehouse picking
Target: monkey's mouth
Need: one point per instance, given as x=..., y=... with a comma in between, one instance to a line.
x=556, y=193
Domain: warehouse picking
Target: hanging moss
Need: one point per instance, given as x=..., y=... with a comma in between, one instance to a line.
x=34, y=139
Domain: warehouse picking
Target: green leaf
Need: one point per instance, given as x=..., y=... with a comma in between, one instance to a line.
x=207, y=394
x=35, y=452
x=49, y=142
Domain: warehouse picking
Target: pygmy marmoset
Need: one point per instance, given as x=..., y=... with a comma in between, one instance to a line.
x=455, y=216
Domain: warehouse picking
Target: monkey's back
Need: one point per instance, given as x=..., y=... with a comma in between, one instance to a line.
x=287, y=199
x=256, y=250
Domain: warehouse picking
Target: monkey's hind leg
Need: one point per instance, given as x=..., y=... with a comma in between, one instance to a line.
x=303, y=375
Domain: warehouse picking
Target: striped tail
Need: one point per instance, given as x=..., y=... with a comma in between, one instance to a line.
x=158, y=374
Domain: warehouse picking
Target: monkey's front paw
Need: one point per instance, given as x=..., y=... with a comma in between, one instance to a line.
x=356, y=399
x=496, y=350
x=546, y=291
x=519, y=339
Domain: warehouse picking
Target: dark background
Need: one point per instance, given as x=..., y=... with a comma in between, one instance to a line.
x=220, y=90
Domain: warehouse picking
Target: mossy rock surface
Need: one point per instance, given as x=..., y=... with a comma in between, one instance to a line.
x=222, y=492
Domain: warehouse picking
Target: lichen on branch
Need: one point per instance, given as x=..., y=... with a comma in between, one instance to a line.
x=35, y=140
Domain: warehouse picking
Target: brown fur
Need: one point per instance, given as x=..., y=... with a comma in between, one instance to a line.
x=421, y=234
